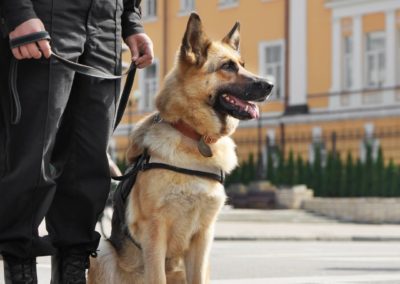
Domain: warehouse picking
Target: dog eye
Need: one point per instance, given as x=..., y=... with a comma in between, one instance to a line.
x=229, y=66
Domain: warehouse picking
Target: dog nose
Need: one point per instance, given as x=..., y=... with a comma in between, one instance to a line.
x=268, y=87
x=265, y=86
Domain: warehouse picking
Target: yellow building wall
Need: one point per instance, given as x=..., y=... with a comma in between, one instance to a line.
x=373, y=22
x=319, y=53
x=260, y=21
x=347, y=26
x=265, y=21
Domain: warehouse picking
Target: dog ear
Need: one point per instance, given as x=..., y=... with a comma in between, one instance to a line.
x=233, y=37
x=195, y=42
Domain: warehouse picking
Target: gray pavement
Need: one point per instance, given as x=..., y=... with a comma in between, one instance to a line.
x=244, y=224
x=288, y=262
x=288, y=232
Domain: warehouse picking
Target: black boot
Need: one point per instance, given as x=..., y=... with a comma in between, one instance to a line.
x=19, y=270
x=69, y=267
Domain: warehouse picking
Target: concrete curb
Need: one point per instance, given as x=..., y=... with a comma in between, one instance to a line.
x=308, y=239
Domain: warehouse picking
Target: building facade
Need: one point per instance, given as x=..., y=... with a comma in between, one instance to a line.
x=335, y=65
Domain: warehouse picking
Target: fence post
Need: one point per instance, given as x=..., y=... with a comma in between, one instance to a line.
x=333, y=141
x=259, y=173
x=282, y=128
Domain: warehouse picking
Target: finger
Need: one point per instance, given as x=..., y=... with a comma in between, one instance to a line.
x=134, y=52
x=34, y=50
x=17, y=54
x=45, y=48
x=24, y=51
x=144, y=60
x=144, y=64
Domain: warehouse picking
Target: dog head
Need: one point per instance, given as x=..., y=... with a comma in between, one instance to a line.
x=209, y=87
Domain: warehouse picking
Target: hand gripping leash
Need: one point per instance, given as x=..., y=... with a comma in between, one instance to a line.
x=80, y=68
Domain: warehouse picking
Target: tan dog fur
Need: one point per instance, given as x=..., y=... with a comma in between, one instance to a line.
x=172, y=215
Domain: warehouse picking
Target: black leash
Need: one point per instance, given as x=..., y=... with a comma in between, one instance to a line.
x=79, y=68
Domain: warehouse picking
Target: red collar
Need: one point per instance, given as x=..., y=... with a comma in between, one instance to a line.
x=190, y=132
x=186, y=130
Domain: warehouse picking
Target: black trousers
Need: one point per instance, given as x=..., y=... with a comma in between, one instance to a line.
x=53, y=163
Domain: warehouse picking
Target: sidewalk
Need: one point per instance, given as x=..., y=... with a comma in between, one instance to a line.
x=274, y=225
x=296, y=225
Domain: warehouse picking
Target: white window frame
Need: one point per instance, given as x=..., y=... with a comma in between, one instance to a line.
x=146, y=101
x=398, y=55
x=149, y=10
x=225, y=4
x=380, y=74
x=186, y=7
x=347, y=64
x=263, y=67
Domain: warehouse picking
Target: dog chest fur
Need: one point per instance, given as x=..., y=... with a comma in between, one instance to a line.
x=185, y=204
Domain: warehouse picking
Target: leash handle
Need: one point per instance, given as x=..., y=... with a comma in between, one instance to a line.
x=30, y=38
x=79, y=68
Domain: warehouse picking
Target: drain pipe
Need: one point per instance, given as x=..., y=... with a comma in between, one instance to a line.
x=164, y=39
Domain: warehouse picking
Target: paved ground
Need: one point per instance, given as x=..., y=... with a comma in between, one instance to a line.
x=295, y=247
x=296, y=225
x=288, y=262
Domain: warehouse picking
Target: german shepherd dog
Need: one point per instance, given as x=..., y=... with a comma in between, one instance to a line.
x=170, y=216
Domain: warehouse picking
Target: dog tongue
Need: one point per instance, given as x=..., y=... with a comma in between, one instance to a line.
x=251, y=109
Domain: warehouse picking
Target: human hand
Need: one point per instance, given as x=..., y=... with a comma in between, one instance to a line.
x=141, y=48
x=30, y=50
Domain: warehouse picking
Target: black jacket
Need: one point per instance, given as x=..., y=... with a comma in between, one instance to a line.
x=15, y=12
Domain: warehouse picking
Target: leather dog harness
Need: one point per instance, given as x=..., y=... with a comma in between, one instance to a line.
x=143, y=163
x=79, y=68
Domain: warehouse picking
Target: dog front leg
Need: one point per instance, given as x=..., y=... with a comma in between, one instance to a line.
x=196, y=259
x=154, y=254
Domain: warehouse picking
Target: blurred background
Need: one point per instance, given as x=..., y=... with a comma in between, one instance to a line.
x=333, y=122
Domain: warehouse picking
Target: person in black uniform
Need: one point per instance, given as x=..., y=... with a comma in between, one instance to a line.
x=53, y=163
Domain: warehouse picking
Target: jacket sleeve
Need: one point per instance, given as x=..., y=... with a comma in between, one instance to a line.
x=131, y=18
x=15, y=12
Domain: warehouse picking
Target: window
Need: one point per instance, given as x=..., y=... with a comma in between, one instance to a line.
x=375, y=60
x=187, y=6
x=347, y=63
x=148, y=87
x=228, y=3
x=271, y=56
x=149, y=9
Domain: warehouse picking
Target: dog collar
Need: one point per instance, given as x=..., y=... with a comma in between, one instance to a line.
x=186, y=130
x=203, y=141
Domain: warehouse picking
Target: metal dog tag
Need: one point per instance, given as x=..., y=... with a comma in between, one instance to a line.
x=204, y=149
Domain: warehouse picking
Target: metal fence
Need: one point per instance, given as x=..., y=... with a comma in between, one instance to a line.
x=340, y=142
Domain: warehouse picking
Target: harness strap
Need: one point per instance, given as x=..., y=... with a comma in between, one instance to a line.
x=130, y=237
x=79, y=68
x=220, y=178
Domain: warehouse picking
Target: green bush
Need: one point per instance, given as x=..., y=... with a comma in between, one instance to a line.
x=334, y=177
